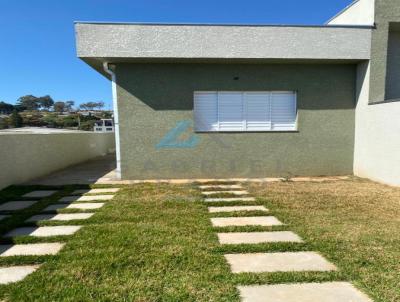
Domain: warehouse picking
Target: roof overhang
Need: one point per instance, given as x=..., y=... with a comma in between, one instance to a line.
x=119, y=42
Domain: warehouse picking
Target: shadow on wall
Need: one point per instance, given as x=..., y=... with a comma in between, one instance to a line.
x=171, y=86
x=393, y=63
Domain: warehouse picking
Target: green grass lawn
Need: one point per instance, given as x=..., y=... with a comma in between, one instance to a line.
x=154, y=242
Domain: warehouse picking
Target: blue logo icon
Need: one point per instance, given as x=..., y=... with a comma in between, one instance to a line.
x=180, y=136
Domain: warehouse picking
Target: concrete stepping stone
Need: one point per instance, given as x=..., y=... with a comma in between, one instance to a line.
x=47, y=231
x=221, y=187
x=278, y=262
x=16, y=273
x=4, y=217
x=303, y=292
x=40, y=193
x=207, y=193
x=60, y=217
x=96, y=191
x=80, y=206
x=86, y=198
x=258, y=237
x=16, y=205
x=33, y=249
x=245, y=221
x=237, y=209
x=230, y=199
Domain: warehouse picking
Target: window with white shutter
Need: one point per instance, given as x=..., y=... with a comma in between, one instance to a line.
x=245, y=111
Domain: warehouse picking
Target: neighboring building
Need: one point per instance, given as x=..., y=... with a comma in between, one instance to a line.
x=222, y=101
x=104, y=125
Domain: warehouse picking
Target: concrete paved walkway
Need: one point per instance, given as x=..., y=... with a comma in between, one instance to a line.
x=93, y=171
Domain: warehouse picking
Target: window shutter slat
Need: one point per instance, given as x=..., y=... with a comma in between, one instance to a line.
x=258, y=116
x=205, y=111
x=283, y=111
x=230, y=111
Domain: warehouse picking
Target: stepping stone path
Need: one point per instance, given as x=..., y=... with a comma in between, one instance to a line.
x=303, y=292
x=16, y=205
x=96, y=191
x=60, y=217
x=257, y=237
x=308, y=261
x=237, y=209
x=47, y=231
x=40, y=194
x=228, y=199
x=16, y=273
x=86, y=198
x=278, y=262
x=32, y=249
x=225, y=192
x=79, y=206
x=244, y=221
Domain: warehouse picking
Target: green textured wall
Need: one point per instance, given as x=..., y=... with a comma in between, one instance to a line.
x=152, y=98
x=386, y=11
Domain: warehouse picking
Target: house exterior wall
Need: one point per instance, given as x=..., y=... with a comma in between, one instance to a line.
x=154, y=98
x=377, y=137
x=360, y=12
x=386, y=11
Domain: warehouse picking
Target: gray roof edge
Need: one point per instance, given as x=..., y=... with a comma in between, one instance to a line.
x=226, y=24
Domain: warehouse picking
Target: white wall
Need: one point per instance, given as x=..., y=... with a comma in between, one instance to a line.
x=24, y=157
x=361, y=12
x=377, y=137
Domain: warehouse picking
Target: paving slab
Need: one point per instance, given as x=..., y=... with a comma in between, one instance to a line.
x=237, y=209
x=229, y=199
x=16, y=273
x=221, y=187
x=278, y=262
x=44, y=231
x=86, y=198
x=40, y=193
x=258, y=237
x=244, y=221
x=303, y=292
x=4, y=217
x=16, y=205
x=238, y=193
x=96, y=191
x=80, y=206
x=32, y=249
x=60, y=217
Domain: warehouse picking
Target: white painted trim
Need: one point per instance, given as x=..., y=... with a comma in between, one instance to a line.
x=116, y=118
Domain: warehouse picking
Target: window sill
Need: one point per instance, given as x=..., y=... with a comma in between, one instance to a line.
x=244, y=132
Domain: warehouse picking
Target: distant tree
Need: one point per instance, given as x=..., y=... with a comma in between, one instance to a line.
x=15, y=119
x=6, y=108
x=29, y=102
x=59, y=106
x=45, y=102
x=69, y=105
x=88, y=105
x=100, y=105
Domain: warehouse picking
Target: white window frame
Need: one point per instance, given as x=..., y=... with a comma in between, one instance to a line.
x=244, y=105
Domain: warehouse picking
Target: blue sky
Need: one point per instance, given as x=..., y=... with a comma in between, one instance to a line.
x=37, y=48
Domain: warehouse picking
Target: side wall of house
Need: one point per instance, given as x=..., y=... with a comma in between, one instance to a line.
x=361, y=12
x=377, y=137
x=154, y=99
